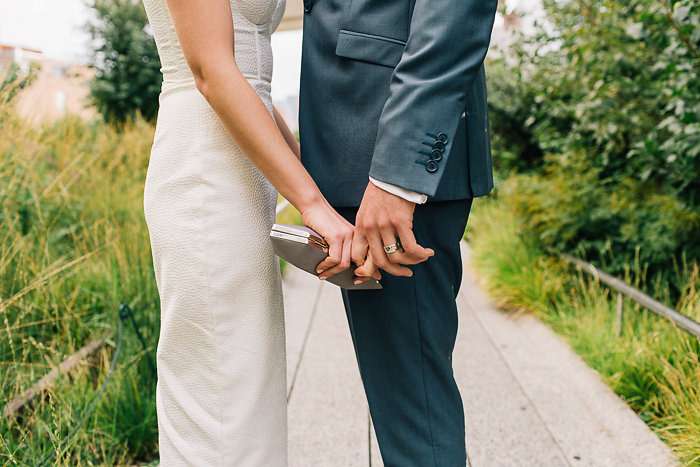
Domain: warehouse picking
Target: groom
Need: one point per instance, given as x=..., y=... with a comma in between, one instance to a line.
x=394, y=130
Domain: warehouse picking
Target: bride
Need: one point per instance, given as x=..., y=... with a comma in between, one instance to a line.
x=220, y=154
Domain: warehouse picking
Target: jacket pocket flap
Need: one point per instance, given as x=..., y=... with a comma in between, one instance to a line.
x=369, y=48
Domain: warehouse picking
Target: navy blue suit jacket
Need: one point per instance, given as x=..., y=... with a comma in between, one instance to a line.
x=395, y=89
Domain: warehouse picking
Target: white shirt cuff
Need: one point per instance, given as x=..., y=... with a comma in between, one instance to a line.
x=408, y=195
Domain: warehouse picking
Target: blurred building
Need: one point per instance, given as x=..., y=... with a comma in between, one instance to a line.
x=59, y=88
x=21, y=56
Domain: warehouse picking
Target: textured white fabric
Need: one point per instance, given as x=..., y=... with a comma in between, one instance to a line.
x=408, y=195
x=221, y=391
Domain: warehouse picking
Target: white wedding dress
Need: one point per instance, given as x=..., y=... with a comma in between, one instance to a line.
x=221, y=391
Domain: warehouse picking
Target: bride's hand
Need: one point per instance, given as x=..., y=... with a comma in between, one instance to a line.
x=338, y=234
x=367, y=270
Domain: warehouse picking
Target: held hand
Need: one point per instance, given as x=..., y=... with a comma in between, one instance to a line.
x=383, y=219
x=366, y=270
x=336, y=231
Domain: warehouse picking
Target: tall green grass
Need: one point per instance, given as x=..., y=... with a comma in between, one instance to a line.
x=73, y=244
x=652, y=365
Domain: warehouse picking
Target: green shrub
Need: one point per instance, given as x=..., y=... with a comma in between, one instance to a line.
x=614, y=82
x=600, y=113
x=568, y=208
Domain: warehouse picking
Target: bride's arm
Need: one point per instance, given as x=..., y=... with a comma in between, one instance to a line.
x=205, y=29
x=286, y=132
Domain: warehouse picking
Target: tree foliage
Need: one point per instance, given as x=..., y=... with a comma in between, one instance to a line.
x=128, y=78
x=601, y=107
x=617, y=80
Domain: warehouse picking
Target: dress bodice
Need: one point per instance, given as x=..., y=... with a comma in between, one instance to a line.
x=254, y=22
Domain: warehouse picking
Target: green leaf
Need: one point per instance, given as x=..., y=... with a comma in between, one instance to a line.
x=680, y=13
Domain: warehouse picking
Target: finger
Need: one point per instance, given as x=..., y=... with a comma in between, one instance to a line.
x=335, y=248
x=376, y=247
x=360, y=280
x=345, y=258
x=369, y=269
x=376, y=274
x=389, y=237
x=412, y=252
x=360, y=247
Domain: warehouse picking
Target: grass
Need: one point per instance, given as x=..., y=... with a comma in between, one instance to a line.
x=73, y=244
x=652, y=365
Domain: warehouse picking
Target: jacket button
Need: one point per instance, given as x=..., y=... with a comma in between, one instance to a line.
x=442, y=137
x=439, y=145
x=436, y=155
x=307, y=6
x=431, y=166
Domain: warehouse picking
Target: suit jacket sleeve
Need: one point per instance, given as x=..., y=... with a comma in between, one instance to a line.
x=445, y=50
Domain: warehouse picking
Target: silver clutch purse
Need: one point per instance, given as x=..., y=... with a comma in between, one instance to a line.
x=305, y=248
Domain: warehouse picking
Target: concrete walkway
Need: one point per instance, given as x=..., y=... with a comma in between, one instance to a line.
x=529, y=399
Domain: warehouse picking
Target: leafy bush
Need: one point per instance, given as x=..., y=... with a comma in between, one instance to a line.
x=615, y=82
x=601, y=107
x=614, y=224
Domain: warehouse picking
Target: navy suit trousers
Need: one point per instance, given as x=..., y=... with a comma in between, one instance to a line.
x=404, y=336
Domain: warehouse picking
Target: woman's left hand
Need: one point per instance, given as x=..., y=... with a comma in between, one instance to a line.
x=336, y=231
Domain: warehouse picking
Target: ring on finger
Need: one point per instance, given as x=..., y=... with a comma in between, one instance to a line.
x=393, y=248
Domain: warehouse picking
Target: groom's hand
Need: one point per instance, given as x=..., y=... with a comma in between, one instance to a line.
x=384, y=218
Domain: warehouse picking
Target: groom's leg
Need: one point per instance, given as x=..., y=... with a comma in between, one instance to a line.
x=404, y=336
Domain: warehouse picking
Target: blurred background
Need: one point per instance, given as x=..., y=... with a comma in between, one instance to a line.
x=61, y=40
x=595, y=119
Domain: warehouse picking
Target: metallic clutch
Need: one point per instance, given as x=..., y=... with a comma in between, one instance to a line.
x=305, y=249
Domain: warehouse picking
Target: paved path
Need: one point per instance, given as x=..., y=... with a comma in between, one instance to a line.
x=529, y=399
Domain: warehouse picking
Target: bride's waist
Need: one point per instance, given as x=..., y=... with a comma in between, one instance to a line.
x=178, y=75
x=181, y=80
x=181, y=97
